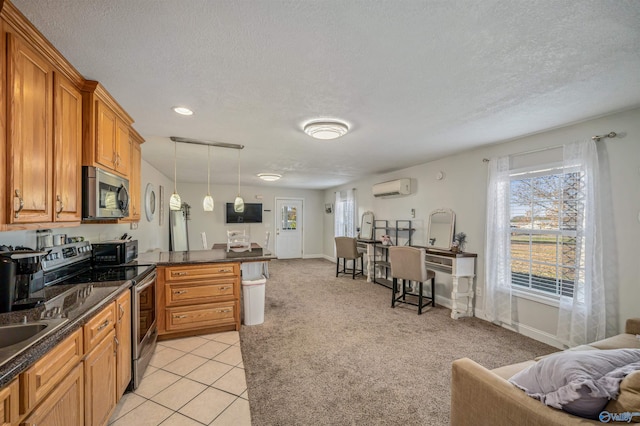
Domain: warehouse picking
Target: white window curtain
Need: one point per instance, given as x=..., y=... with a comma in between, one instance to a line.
x=345, y=213
x=582, y=318
x=498, y=268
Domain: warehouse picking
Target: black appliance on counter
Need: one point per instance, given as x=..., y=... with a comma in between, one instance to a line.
x=116, y=252
x=21, y=276
x=77, y=264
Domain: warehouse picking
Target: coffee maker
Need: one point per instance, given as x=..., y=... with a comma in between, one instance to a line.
x=21, y=276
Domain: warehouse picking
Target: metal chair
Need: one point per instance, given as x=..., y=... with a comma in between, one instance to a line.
x=347, y=249
x=408, y=264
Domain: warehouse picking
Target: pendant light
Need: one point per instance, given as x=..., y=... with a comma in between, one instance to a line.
x=238, y=204
x=175, y=202
x=207, y=203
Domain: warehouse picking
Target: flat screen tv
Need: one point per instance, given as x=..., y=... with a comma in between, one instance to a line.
x=252, y=213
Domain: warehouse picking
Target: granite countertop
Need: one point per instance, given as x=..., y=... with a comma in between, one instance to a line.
x=76, y=303
x=216, y=254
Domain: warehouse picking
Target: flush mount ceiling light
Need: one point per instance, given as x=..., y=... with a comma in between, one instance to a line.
x=182, y=110
x=326, y=129
x=269, y=177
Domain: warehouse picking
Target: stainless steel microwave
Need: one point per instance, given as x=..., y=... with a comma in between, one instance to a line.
x=104, y=195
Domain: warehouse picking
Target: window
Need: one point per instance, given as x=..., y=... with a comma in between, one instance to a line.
x=345, y=214
x=544, y=213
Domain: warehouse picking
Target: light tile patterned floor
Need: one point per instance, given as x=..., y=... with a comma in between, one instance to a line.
x=191, y=381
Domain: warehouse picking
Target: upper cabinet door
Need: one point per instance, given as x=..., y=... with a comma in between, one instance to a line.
x=67, y=151
x=106, y=153
x=123, y=148
x=29, y=135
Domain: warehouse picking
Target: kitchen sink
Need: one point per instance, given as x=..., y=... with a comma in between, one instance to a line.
x=16, y=338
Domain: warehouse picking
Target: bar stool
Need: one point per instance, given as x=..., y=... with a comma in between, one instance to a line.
x=408, y=264
x=347, y=249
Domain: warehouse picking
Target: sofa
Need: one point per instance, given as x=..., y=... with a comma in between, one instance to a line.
x=485, y=397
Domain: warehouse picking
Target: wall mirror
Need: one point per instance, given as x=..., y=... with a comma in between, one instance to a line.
x=440, y=230
x=366, y=227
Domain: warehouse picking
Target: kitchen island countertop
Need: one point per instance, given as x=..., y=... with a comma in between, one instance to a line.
x=217, y=254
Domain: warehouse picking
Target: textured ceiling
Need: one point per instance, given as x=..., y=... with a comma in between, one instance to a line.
x=415, y=80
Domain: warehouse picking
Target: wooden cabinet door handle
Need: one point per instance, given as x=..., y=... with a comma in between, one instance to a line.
x=103, y=325
x=180, y=291
x=121, y=311
x=20, y=204
x=179, y=274
x=225, y=288
x=223, y=311
x=225, y=270
x=180, y=316
x=59, y=201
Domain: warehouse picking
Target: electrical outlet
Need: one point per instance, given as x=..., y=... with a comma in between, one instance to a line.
x=479, y=291
x=413, y=213
x=134, y=225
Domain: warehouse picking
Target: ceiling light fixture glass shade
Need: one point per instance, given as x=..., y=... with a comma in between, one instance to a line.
x=182, y=110
x=175, y=202
x=238, y=204
x=207, y=203
x=269, y=177
x=326, y=129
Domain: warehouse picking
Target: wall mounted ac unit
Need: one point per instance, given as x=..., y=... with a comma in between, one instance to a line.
x=392, y=187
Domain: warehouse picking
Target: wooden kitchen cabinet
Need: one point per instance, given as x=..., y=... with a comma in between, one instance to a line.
x=123, y=341
x=64, y=406
x=67, y=150
x=98, y=327
x=43, y=130
x=29, y=133
x=198, y=298
x=42, y=377
x=106, y=131
x=9, y=403
x=100, y=381
x=135, y=178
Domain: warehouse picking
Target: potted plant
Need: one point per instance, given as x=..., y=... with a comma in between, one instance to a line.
x=459, y=241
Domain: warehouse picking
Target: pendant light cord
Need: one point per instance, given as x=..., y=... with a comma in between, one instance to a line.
x=208, y=170
x=238, y=173
x=175, y=168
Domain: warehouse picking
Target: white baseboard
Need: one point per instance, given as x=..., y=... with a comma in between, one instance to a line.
x=314, y=256
x=527, y=330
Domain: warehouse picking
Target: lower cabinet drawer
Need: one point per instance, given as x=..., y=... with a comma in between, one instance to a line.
x=45, y=374
x=200, y=316
x=181, y=294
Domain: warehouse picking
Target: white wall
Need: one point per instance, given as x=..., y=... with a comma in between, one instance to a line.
x=150, y=235
x=463, y=189
x=213, y=223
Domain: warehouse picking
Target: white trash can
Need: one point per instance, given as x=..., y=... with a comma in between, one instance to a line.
x=253, y=300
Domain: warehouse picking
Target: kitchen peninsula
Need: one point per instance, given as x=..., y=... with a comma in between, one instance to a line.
x=198, y=292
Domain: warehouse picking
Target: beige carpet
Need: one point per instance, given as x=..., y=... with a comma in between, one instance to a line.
x=332, y=352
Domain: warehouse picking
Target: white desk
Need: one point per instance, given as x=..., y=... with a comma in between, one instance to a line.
x=459, y=265
x=370, y=253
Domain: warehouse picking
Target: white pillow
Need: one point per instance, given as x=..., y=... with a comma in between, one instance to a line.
x=579, y=382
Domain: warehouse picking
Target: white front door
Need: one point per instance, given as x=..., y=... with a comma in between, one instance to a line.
x=288, y=228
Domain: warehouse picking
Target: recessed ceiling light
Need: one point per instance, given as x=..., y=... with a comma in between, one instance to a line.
x=326, y=129
x=269, y=177
x=183, y=110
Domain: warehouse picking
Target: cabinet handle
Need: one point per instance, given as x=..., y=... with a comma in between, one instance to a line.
x=103, y=325
x=180, y=291
x=20, y=204
x=121, y=311
x=225, y=288
x=178, y=274
x=59, y=201
x=225, y=270
x=115, y=348
x=114, y=159
x=223, y=311
x=179, y=316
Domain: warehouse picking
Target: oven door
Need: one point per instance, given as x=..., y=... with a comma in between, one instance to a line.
x=145, y=331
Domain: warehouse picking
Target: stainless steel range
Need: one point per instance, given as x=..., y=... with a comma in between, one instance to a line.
x=72, y=264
